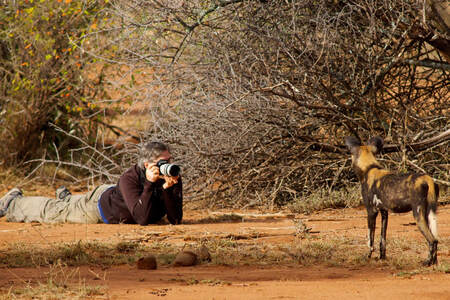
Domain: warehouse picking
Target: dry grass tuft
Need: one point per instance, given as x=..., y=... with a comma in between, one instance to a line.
x=60, y=283
x=323, y=199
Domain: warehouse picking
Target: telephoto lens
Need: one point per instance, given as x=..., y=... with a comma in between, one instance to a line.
x=167, y=169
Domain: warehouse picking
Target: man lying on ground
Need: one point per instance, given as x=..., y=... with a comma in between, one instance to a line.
x=143, y=195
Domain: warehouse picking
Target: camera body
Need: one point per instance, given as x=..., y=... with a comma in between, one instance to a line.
x=167, y=169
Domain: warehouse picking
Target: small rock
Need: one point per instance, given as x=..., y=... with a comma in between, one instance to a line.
x=147, y=263
x=185, y=258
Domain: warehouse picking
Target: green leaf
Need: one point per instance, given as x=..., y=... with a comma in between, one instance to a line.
x=29, y=10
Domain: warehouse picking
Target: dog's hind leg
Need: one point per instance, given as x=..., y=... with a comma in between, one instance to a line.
x=371, y=222
x=384, y=223
x=421, y=219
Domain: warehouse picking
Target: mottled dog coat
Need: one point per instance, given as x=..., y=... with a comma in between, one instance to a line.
x=383, y=190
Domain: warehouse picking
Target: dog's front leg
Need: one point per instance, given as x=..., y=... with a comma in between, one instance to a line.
x=384, y=222
x=371, y=222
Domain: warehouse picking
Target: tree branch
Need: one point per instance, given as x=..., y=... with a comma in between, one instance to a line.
x=429, y=63
x=443, y=137
x=190, y=28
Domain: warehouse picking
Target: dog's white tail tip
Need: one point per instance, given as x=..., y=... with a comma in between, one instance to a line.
x=432, y=223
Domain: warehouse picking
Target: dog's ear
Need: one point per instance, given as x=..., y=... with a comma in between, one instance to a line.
x=352, y=143
x=375, y=144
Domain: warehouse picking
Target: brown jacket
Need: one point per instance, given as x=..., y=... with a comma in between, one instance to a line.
x=135, y=200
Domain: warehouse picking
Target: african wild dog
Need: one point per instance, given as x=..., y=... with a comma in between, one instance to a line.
x=383, y=190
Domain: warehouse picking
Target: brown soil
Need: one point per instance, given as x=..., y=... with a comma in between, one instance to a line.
x=274, y=281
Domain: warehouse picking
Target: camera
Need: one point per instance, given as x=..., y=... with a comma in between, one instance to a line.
x=167, y=169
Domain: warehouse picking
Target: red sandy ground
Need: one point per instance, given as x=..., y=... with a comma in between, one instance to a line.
x=242, y=282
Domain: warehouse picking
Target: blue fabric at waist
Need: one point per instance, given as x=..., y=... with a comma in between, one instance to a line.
x=100, y=208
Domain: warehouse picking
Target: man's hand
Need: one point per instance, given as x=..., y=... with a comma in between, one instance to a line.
x=170, y=180
x=152, y=173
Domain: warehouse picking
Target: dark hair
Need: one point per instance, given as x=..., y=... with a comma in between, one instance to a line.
x=150, y=151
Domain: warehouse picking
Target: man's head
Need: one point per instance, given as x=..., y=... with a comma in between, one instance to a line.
x=152, y=152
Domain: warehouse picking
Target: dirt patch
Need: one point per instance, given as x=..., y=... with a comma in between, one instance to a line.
x=250, y=282
x=298, y=271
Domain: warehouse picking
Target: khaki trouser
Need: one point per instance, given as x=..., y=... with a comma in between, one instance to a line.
x=77, y=209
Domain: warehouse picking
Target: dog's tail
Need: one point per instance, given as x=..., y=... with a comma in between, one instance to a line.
x=432, y=202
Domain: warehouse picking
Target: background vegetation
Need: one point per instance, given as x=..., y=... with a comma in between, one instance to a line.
x=44, y=85
x=254, y=96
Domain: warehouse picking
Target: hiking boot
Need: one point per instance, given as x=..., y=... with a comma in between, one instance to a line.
x=6, y=200
x=63, y=194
